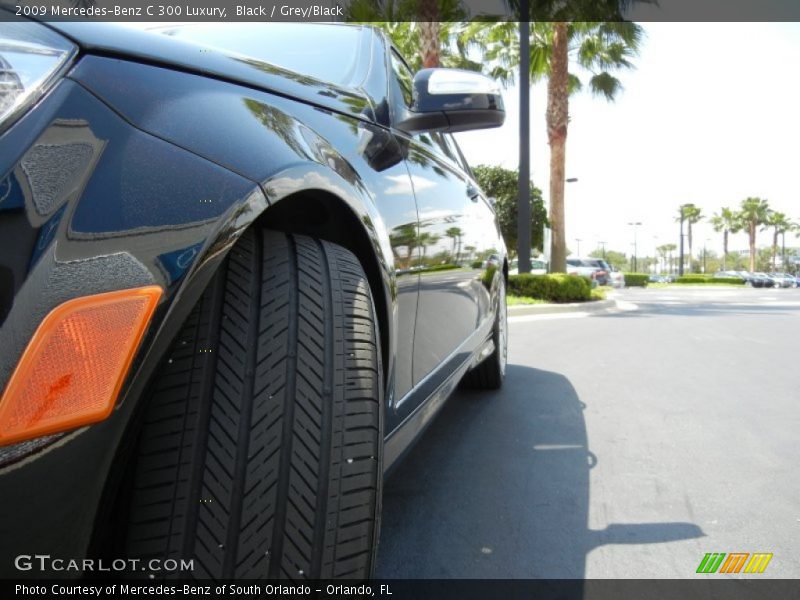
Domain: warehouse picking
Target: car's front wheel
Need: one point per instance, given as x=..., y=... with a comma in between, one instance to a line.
x=260, y=454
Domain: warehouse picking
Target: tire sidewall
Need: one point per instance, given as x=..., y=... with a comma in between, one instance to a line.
x=501, y=329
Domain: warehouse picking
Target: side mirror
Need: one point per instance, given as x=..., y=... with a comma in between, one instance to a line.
x=453, y=100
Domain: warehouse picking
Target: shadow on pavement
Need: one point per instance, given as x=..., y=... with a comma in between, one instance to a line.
x=498, y=487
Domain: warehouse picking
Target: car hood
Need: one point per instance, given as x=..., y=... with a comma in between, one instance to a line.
x=113, y=40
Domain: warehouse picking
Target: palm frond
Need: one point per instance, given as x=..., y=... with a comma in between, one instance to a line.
x=575, y=85
x=606, y=85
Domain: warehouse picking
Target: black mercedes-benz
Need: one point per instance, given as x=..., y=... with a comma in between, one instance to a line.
x=241, y=268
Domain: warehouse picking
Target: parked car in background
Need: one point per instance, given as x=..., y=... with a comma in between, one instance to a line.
x=587, y=268
x=783, y=280
x=538, y=267
x=729, y=274
x=656, y=278
x=493, y=261
x=616, y=278
x=603, y=274
x=219, y=323
x=750, y=278
x=763, y=280
x=791, y=278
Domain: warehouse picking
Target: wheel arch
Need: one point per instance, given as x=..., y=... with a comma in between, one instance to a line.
x=321, y=211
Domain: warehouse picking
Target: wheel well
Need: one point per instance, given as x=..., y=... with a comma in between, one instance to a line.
x=322, y=215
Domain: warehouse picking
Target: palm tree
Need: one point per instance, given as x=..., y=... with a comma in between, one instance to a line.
x=689, y=214
x=669, y=249
x=725, y=221
x=753, y=213
x=663, y=251
x=455, y=233
x=780, y=224
x=426, y=32
x=429, y=31
x=404, y=235
x=425, y=241
x=560, y=51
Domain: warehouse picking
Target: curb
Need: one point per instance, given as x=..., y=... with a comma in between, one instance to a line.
x=546, y=309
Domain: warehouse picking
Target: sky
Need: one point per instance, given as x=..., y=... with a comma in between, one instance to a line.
x=710, y=116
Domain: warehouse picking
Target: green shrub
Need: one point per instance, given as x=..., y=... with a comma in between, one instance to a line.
x=694, y=279
x=730, y=280
x=598, y=294
x=433, y=268
x=636, y=279
x=477, y=264
x=557, y=287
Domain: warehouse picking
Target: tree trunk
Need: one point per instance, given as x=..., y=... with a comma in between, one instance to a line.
x=752, y=234
x=775, y=250
x=557, y=121
x=429, y=39
x=725, y=250
x=689, y=241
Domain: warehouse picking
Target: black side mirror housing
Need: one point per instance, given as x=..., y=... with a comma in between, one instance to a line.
x=452, y=100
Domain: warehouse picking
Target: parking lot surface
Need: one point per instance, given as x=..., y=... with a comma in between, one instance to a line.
x=624, y=444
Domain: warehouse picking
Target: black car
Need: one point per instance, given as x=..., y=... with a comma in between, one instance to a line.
x=762, y=280
x=751, y=279
x=234, y=288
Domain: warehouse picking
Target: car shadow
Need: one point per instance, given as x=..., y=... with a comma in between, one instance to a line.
x=498, y=487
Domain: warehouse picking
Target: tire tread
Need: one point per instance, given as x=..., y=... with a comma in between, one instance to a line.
x=271, y=386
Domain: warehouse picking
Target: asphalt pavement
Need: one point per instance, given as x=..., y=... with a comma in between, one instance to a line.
x=625, y=444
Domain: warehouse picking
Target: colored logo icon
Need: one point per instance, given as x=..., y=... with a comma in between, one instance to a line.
x=734, y=562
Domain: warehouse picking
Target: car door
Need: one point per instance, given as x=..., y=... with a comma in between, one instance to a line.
x=456, y=237
x=454, y=220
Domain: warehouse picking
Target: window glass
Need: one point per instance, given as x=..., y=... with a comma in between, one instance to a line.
x=460, y=155
x=444, y=146
x=324, y=52
x=403, y=76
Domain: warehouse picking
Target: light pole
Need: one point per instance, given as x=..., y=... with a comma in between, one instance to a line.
x=603, y=248
x=634, y=224
x=578, y=249
x=524, y=199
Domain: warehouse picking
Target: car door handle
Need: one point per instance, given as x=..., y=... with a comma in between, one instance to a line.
x=473, y=192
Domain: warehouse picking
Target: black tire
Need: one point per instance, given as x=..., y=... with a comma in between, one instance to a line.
x=490, y=373
x=260, y=453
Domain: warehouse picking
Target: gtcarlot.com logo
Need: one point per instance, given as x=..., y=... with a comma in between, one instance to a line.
x=45, y=562
x=734, y=562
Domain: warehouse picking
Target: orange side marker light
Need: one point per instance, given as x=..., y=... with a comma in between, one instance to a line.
x=73, y=368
